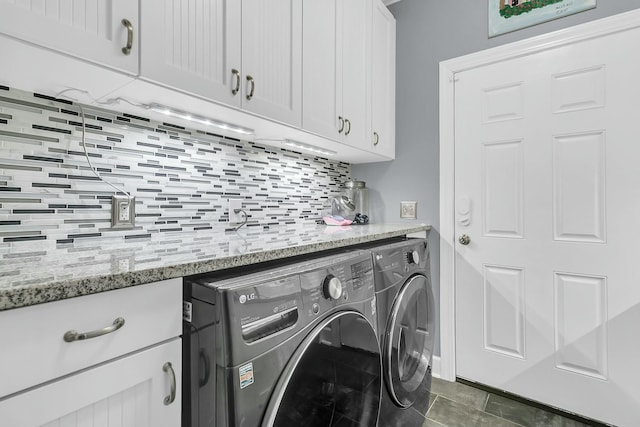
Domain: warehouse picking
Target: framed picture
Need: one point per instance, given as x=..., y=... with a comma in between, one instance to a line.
x=510, y=15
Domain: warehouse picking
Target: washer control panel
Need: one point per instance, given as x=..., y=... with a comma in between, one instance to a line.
x=346, y=280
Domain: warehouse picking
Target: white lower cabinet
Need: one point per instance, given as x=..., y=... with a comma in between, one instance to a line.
x=112, y=359
x=134, y=391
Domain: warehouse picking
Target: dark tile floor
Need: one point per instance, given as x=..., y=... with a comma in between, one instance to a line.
x=453, y=404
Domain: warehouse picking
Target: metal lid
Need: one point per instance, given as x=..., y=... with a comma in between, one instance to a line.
x=355, y=184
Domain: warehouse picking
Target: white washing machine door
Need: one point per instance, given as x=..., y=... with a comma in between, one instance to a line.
x=409, y=339
x=331, y=378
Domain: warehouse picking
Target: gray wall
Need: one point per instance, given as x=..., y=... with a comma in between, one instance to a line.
x=430, y=31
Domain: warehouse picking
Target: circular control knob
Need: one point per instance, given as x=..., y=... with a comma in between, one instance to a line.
x=332, y=287
x=315, y=308
x=413, y=257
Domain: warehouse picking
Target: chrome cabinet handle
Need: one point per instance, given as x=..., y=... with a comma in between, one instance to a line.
x=127, y=49
x=236, y=73
x=377, y=139
x=168, y=400
x=71, y=336
x=348, y=131
x=341, y=120
x=253, y=86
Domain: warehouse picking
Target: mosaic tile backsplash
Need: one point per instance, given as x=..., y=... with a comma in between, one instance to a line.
x=181, y=177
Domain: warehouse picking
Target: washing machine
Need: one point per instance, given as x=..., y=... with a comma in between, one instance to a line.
x=295, y=345
x=406, y=320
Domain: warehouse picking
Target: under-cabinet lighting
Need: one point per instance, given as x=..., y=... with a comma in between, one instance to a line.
x=199, y=119
x=310, y=148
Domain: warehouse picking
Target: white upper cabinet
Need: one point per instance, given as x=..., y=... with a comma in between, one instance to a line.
x=356, y=24
x=383, y=80
x=300, y=70
x=335, y=70
x=194, y=46
x=247, y=54
x=105, y=32
x=272, y=59
x=321, y=68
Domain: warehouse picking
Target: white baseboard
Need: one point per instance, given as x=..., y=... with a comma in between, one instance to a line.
x=435, y=367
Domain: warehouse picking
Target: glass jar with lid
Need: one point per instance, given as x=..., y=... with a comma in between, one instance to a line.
x=358, y=194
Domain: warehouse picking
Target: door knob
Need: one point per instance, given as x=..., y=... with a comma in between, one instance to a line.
x=464, y=239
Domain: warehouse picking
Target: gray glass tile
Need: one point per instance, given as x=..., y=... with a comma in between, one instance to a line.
x=526, y=415
x=454, y=414
x=460, y=393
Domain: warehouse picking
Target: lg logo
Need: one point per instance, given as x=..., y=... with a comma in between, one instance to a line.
x=244, y=298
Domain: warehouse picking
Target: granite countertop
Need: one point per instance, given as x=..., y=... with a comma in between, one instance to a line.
x=32, y=273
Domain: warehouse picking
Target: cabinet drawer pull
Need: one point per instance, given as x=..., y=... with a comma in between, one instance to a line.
x=341, y=120
x=236, y=73
x=168, y=400
x=377, y=139
x=348, y=131
x=71, y=336
x=253, y=86
x=127, y=49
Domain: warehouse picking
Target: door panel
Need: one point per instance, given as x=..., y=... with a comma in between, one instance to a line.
x=579, y=202
x=581, y=330
x=546, y=187
x=504, y=300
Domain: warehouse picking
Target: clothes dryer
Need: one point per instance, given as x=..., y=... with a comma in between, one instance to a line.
x=406, y=320
x=291, y=346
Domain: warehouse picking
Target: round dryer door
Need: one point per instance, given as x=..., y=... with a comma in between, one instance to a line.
x=334, y=378
x=409, y=337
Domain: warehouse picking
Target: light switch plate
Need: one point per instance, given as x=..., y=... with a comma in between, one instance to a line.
x=409, y=210
x=123, y=211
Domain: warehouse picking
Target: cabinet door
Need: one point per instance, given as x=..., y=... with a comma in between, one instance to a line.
x=130, y=391
x=356, y=21
x=272, y=59
x=193, y=46
x=90, y=29
x=383, y=80
x=321, y=68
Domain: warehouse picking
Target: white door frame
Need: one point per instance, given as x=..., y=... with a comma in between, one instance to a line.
x=448, y=70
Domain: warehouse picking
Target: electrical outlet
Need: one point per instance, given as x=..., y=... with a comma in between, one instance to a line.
x=123, y=211
x=122, y=262
x=233, y=205
x=408, y=210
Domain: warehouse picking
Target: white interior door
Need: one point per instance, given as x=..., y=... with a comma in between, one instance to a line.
x=547, y=187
